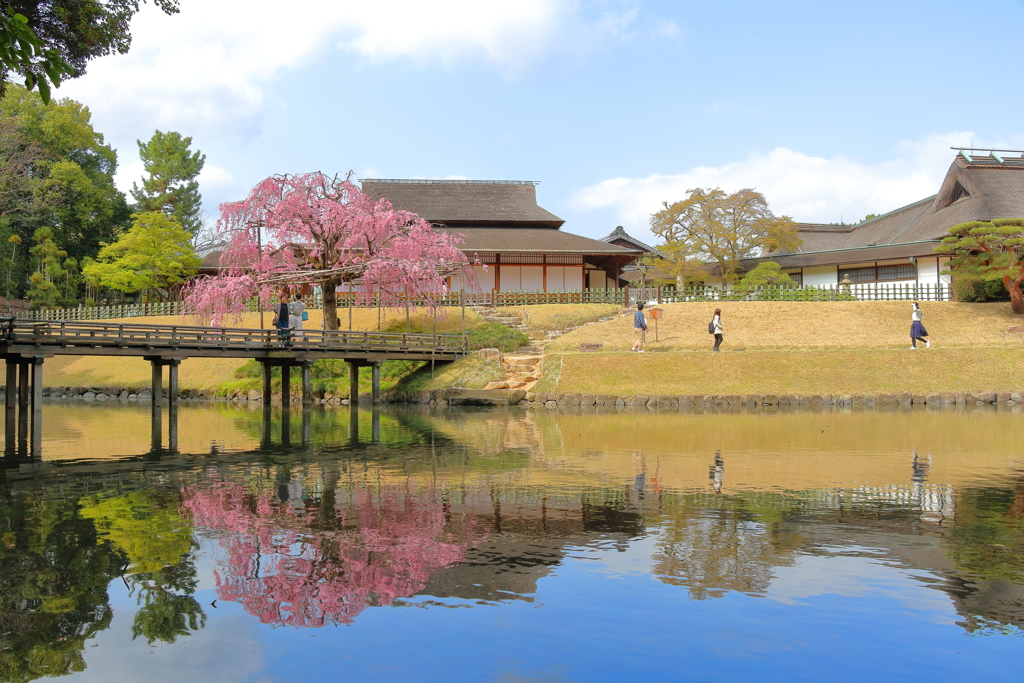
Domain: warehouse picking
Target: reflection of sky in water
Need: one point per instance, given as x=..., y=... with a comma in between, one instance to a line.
x=492, y=547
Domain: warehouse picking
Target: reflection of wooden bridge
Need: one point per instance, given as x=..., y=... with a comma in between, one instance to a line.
x=25, y=344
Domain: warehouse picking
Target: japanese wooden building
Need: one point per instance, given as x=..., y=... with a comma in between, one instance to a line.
x=501, y=225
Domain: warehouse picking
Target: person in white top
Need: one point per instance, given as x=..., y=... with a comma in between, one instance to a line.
x=716, y=323
x=917, y=331
x=295, y=310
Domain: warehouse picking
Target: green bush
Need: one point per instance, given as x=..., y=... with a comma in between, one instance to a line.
x=496, y=336
x=975, y=290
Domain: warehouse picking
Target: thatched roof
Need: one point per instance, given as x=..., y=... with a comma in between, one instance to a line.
x=975, y=188
x=481, y=203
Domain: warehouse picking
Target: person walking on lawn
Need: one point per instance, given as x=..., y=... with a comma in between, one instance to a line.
x=640, y=326
x=917, y=331
x=716, y=327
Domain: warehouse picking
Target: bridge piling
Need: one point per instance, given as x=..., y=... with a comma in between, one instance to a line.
x=11, y=404
x=156, y=419
x=37, y=405
x=375, y=382
x=286, y=385
x=268, y=385
x=307, y=384
x=353, y=383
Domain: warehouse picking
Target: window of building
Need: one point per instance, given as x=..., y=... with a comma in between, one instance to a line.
x=901, y=271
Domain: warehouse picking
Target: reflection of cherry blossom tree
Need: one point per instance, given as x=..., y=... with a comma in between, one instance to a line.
x=295, y=569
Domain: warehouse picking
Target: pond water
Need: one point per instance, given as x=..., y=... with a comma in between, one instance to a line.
x=516, y=546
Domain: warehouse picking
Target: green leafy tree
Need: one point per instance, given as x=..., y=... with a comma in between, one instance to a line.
x=171, y=186
x=712, y=226
x=47, y=41
x=73, y=176
x=24, y=52
x=768, y=273
x=989, y=250
x=44, y=290
x=152, y=258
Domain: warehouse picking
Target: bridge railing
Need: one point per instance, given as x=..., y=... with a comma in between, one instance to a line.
x=163, y=337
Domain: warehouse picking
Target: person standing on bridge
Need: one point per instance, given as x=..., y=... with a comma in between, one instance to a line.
x=296, y=312
x=281, y=320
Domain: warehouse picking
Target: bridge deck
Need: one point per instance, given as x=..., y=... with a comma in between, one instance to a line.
x=25, y=337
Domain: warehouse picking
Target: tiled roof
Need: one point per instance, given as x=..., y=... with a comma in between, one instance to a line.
x=467, y=202
x=620, y=234
x=536, y=240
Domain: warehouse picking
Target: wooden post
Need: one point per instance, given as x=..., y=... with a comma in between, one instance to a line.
x=353, y=383
x=156, y=427
x=37, y=405
x=307, y=384
x=11, y=405
x=23, y=385
x=307, y=431
x=286, y=388
x=268, y=386
x=375, y=382
x=172, y=404
x=375, y=426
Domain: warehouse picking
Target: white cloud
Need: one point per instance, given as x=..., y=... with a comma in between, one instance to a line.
x=808, y=188
x=206, y=69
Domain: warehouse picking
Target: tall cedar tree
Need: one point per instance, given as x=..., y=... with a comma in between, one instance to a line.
x=171, y=186
x=710, y=225
x=991, y=250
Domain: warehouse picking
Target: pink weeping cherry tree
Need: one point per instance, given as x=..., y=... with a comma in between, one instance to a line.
x=321, y=230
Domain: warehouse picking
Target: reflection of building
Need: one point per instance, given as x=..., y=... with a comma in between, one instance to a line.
x=500, y=223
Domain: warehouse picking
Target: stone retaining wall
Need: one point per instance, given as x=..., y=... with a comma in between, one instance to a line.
x=558, y=400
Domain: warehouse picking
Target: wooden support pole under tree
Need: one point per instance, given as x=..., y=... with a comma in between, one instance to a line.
x=286, y=385
x=172, y=404
x=353, y=383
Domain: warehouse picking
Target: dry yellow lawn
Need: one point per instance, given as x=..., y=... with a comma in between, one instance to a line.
x=757, y=324
x=801, y=371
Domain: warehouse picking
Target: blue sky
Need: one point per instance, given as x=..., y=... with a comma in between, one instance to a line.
x=832, y=110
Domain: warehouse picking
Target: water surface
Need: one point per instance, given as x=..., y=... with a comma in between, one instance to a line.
x=515, y=546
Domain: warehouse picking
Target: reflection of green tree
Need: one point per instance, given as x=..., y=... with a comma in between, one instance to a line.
x=54, y=573
x=987, y=539
x=714, y=544
x=158, y=544
x=166, y=606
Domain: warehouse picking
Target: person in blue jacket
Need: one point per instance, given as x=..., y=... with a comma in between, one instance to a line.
x=640, y=325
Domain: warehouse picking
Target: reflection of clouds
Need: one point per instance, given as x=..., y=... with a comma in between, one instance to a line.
x=813, y=576
x=634, y=558
x=226, y=650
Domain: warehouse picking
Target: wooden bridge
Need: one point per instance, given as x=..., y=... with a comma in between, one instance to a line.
x=25, y=344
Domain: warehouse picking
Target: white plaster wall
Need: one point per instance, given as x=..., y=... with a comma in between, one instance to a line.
x=556, y=278
x=531, y=278
x=929, y=269
x=817, y=276
x=511, y=278
x=573, y=277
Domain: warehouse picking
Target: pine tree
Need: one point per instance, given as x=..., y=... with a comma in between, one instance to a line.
x=171, y=186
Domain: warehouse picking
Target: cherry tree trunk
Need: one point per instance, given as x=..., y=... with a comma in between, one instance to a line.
x=330, y=305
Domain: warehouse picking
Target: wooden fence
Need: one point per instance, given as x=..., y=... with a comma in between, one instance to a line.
x=873, y=291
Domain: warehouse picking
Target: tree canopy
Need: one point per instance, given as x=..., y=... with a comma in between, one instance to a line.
x=765, y=274
x=153, y=257
x=990, y=250
x=710, y=225
x=312, y=228
x=45, y=41
x=171, y=184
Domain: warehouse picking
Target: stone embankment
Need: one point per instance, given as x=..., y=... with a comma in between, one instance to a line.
x=963, y=398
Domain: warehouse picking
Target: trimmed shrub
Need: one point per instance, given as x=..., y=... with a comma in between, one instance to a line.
x=497, y=336
x=975, y=290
